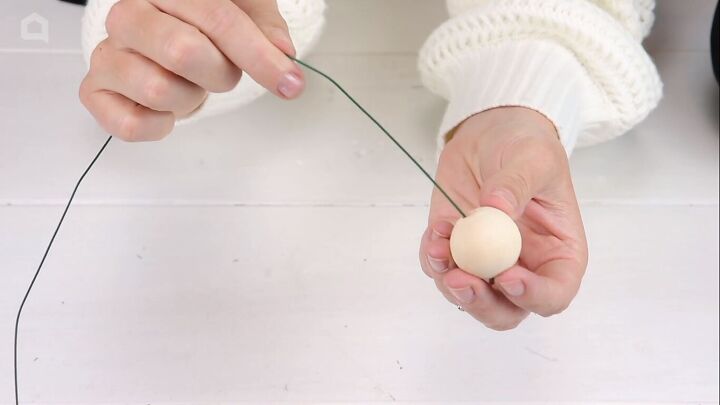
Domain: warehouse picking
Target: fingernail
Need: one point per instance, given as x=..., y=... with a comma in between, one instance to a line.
x=438, y=266
x=513, y=288
x=290, y=85
x=465, y=295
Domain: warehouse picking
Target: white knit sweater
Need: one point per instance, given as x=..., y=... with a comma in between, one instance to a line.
x=578, y=62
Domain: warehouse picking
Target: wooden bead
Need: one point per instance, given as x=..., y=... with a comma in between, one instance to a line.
x=486, y=242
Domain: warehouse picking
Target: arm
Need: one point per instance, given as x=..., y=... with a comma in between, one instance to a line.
x=527, y=81
x=513, y=52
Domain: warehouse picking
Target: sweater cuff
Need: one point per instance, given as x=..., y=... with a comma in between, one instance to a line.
x=535, y=74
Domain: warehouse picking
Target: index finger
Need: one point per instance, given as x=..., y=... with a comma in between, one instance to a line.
x=240, y=39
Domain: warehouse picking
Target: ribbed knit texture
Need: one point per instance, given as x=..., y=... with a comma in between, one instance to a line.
x=635, y=15
x=305, y=19
x=609, y=68
x=536, y=74
x=579, y=62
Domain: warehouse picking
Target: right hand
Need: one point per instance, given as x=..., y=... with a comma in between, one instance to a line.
x=162, y=57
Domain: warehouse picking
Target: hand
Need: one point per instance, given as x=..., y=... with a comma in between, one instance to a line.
x=162, y=57
x=509, y=158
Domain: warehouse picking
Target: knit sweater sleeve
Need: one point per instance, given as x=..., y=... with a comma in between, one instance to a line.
x=305, y=19
x=578, y=62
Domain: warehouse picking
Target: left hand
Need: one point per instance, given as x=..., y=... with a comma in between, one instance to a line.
x=509, y=158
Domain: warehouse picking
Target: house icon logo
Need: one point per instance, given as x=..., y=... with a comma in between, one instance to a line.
x=35, y=28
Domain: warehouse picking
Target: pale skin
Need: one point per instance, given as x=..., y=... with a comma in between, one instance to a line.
x=163, y=57
x=509, y=158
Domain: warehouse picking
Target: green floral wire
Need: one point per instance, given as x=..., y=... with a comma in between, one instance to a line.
x=385, y=131
x=42, y=261
x=97, y=156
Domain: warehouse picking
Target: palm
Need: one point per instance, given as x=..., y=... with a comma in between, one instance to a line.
x=547, y=233
x=543, y=241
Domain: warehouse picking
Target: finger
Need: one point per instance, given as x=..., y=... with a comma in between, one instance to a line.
x=479, y=300
x=240, y=39
x=547, y=291
x=440, y=229
x=421, y=253
x=123, y=117
x=145, y=82
x=435, y=256
x=172, y=43
x=530, y=169
x=446, y=293
x=460, y=185
x=266, y=15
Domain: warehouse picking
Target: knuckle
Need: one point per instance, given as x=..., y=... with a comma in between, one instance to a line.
x=537, y=150
x=99, y=56
x=274, y=26
x=130, y=127
x=115, y=17
x=84, y=92
x=219, y=19
x=181, y=51
x=120, y=15
x=261, y=54
x=156, y=90
x=229, y=81
x=277, y=24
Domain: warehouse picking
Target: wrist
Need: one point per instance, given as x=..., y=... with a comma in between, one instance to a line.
x=506, y=122
x=537, y=74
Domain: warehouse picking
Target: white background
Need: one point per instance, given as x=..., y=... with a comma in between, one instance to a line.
x=269, y=255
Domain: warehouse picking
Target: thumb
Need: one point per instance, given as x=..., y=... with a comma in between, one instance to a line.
x=512, y=188
x=266, y=15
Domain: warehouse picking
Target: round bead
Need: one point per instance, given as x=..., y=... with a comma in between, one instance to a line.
x=486, y=242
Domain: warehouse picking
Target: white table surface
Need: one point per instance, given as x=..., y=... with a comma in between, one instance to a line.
x=269, y=255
